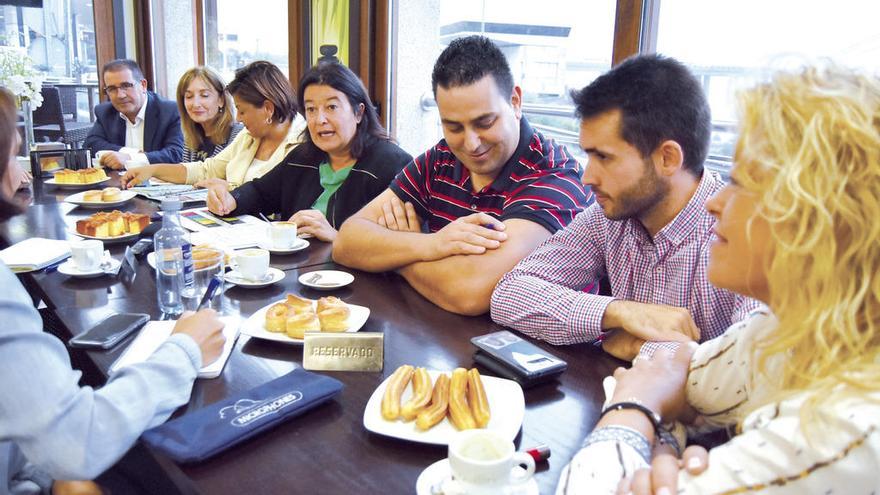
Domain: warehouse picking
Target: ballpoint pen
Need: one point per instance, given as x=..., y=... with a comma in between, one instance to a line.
x=209, y=293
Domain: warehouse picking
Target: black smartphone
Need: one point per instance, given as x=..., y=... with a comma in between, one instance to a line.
x=512, y=357
x=110, y=331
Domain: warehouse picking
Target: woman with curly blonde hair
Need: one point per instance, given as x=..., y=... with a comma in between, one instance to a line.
x=798, y=229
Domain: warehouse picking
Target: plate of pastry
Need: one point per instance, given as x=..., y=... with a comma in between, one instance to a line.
x=228, y=256
x=113, y=226
x=500, y=405
x=288, y=320
x=78, y=179
x=101, y=198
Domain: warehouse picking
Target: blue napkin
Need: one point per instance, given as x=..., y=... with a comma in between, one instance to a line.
x=208, y=431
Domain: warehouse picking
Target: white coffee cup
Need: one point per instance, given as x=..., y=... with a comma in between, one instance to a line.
x=253, y=264
x=87, y=254
x=282, y=235
x=484, y=462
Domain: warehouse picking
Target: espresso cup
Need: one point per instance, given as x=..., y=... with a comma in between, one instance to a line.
x=87, y=254
x=484, y=462
x=253, y=264
x=282, y=235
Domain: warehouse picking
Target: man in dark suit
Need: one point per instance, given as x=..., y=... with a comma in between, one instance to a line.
x=136, y=125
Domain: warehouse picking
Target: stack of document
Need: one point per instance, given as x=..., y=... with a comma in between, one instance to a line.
x=34, y=254
x=186, y=193
x=232, y=232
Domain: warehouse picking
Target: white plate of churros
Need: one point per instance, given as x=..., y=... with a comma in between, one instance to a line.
x=506, y=408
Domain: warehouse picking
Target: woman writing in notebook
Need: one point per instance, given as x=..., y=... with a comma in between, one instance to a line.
x=50, y=427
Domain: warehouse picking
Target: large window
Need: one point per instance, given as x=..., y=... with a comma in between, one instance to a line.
x=237, y=33
x=59, y=38
x=552, y=48
x=730, y=45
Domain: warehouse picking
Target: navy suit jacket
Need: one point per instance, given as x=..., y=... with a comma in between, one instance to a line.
x=163, y=141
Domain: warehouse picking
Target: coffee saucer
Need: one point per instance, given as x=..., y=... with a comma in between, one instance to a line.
x=272, y=276
x=299, y=245
x=430, y=482
x=326, y=279
x=70, y=269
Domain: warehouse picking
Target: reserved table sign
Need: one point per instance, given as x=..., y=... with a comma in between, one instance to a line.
x=362, y=351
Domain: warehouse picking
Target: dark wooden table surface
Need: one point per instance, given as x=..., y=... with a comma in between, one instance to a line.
x=328, y=450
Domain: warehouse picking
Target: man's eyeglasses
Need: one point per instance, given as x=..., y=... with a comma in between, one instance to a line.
x=126, y=87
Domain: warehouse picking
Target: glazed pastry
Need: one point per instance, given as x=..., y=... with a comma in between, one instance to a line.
x=111, y=194
x=92, y=196
x=334, y=319
x=298, y=324
x=276, y=318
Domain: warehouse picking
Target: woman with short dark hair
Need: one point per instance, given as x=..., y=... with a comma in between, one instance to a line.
x=266, y=104
x=346, y=159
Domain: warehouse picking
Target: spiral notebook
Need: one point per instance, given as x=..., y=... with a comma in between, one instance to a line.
x=34, y=254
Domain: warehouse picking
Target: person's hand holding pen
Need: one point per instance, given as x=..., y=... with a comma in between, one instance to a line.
x=206, y=329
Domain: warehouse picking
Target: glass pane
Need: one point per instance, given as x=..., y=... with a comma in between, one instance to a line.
x=237, y=33
x=562, y=45
x=734, y=43
x=330, y=20
x=59, y=40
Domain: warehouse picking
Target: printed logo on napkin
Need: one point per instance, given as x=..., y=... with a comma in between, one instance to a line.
x=247, y=411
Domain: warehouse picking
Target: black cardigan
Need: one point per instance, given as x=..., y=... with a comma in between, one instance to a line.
x=295, y=183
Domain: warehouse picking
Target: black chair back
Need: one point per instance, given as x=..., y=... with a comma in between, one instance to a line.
x=50, y=112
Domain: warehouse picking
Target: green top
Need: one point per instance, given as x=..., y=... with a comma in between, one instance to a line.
x=331, y=181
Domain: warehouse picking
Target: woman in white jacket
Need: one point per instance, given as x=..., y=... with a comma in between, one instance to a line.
x=797, y=229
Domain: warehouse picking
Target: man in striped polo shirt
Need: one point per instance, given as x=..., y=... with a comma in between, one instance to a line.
x=645, y=126
x=487, y=194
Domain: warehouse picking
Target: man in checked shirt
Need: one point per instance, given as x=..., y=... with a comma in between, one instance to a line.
x=645, y=126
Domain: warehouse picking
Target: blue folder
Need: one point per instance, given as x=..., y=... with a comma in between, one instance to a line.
x=208, y=431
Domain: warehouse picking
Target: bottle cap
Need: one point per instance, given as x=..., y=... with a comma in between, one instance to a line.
x=172, y=203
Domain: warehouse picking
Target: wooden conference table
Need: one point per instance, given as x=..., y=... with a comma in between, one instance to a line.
x=327, y=450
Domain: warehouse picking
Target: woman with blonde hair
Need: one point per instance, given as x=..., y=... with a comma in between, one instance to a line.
x=266, y=104
x=206, y=116
x=797, y=229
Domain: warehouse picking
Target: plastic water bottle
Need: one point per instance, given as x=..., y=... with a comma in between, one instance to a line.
x=174, y=265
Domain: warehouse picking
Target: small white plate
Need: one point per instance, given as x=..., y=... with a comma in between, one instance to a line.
x=109, y=240
x=78, y=200
x=299, y=245
x=437, y=473
x=52, y=182
x=255, y=324
x=233, y=277
x=69, y=268
x=327, y=279
x=506, y=405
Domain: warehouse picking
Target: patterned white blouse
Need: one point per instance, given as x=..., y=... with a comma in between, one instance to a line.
x=839, y=454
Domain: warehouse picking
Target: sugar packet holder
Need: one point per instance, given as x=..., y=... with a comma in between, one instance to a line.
x=204, y=433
